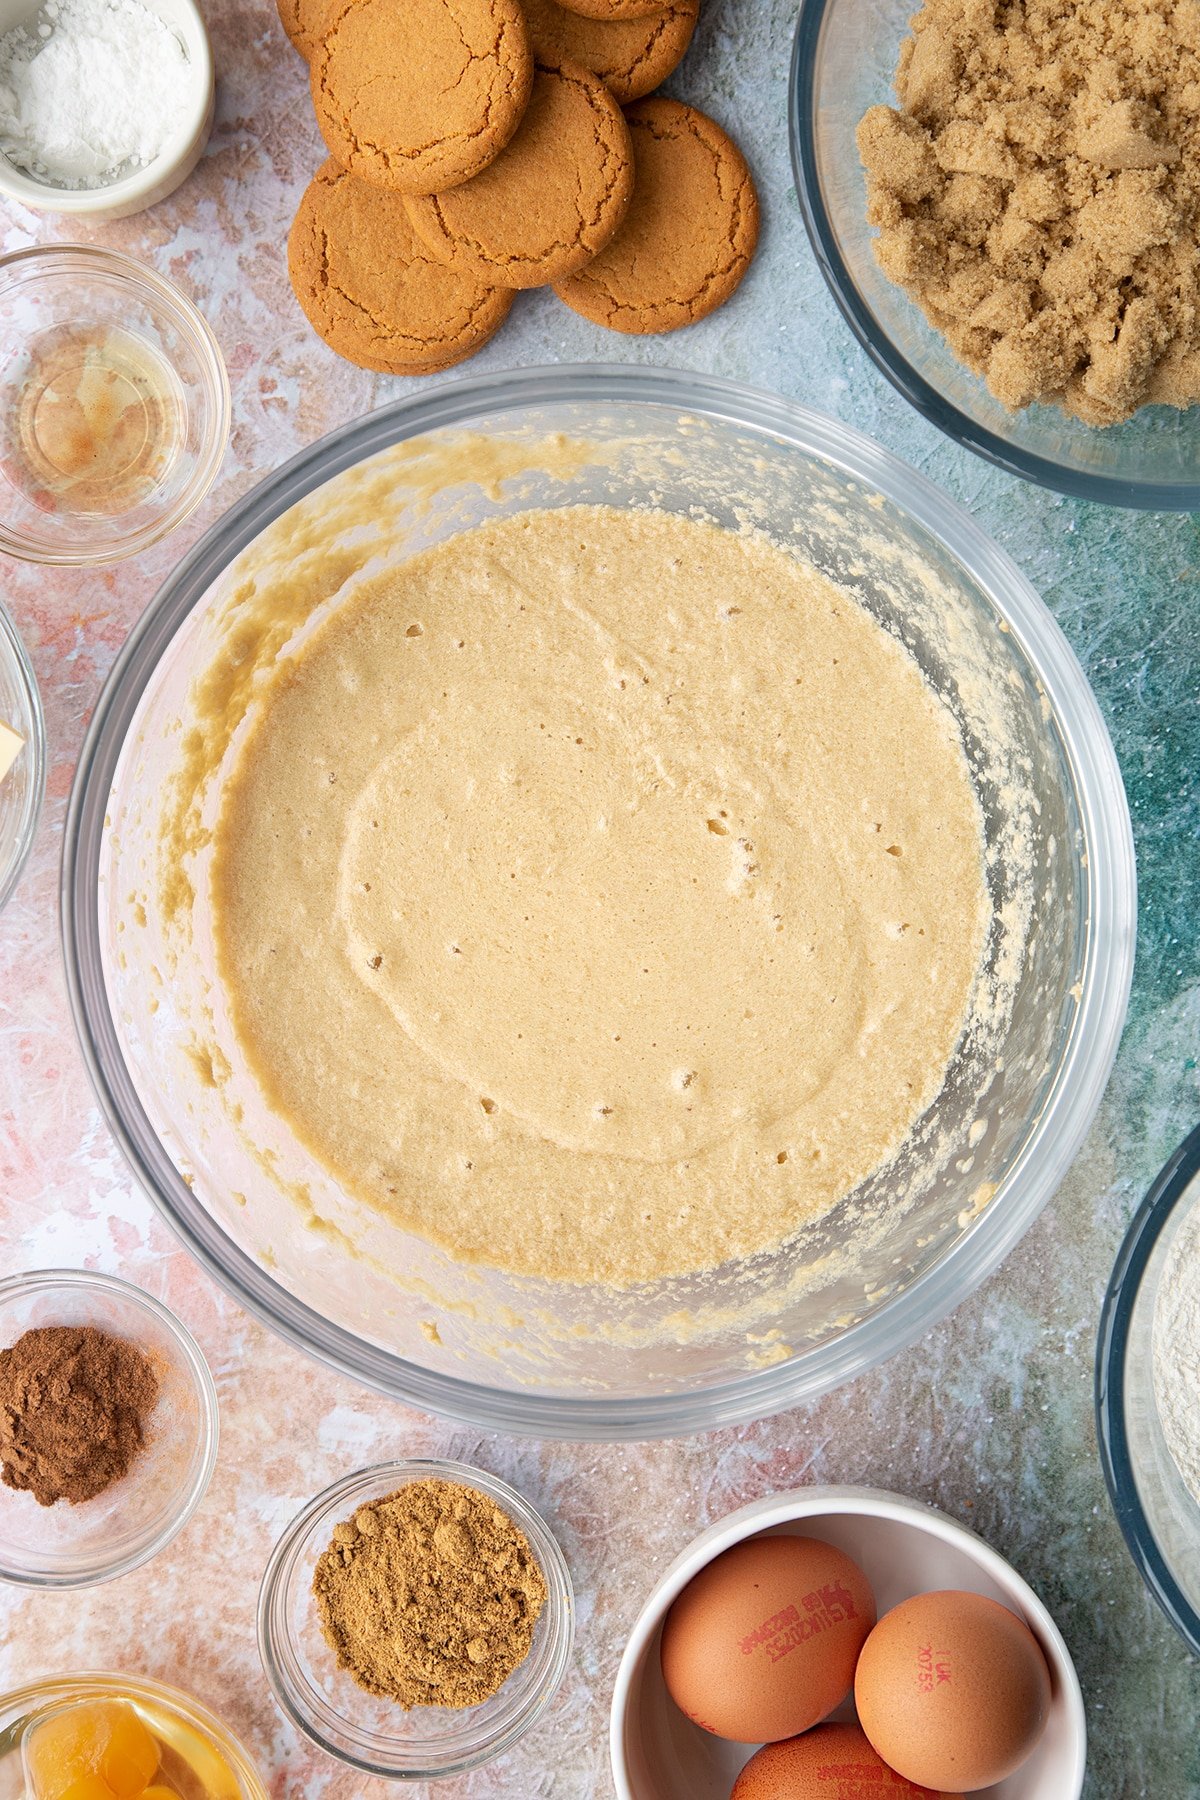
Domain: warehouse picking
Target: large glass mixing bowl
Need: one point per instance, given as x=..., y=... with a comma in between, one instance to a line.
x=387, y=1307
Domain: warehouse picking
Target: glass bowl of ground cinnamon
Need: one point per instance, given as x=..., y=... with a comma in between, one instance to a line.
x=416, y=1619
x=108, y=1427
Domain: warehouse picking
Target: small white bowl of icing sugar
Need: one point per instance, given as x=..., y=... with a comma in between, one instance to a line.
x=105, y=105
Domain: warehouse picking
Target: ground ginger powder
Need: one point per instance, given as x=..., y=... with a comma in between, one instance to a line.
x=1038, y=195
x=429, y=1597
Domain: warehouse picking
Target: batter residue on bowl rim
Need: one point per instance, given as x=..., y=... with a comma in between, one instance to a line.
x=600, y=892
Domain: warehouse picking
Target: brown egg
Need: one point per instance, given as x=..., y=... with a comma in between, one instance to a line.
x=952, y=1690
x=833, y=1762
x=763, y=1641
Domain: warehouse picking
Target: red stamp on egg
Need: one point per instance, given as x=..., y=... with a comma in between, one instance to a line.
x=823, y=1610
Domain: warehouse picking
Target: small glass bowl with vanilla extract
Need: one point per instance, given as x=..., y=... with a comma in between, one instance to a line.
x=114, y=406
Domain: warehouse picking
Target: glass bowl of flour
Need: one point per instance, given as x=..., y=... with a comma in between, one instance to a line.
x=105, y=105
x=1147, y=1383
x=576, y=525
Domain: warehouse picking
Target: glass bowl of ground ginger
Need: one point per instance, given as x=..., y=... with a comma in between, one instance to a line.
x=1006, y=206
x=108, y=1428
x=416, y=1619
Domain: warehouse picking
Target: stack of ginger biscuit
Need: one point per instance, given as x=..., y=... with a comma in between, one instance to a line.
x=482, y=146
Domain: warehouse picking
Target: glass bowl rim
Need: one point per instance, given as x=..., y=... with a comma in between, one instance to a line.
x=27, y=1283
x=337, y=1499
x=1167, y=1190
x=36, y=749
x=55, y=259
x=48, y=1686
x=1043, y=471
x=1109, y=875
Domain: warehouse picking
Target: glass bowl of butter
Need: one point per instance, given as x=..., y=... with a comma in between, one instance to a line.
x=22, y=755
x=114, y=406
x=486, y=875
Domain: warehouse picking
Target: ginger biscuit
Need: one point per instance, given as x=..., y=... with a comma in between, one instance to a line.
x=371, y=289
x=631, y=56
x=420, y=94
x=551, y=200
x=304, y=22
x=688, y=236
x=614, y=9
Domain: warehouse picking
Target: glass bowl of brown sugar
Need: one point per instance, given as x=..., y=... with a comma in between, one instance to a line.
x=443, y=1686
x=843, y=63
x=108, y=1428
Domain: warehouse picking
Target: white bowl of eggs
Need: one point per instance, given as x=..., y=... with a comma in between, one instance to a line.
x=843, y=1641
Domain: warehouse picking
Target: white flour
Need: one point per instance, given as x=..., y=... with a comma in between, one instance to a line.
x=89, y=89
x=1177, y=1351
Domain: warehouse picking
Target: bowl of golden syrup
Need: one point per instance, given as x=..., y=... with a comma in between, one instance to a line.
x=118, y=1737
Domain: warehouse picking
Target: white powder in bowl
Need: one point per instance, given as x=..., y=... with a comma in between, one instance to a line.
x=90, y=90
x=1177, y=1350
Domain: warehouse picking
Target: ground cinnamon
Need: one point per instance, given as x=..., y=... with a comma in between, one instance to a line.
x=73, y=1405
x=429, y=1596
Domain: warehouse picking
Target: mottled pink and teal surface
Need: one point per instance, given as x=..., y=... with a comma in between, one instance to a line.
x=990, y=1417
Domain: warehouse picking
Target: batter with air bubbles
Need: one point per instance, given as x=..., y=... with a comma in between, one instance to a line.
x=600, y=893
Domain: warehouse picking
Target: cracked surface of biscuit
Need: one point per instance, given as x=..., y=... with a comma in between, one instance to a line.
x=553, y=198
x=631, y=56
x=371, y=289
x=420, y=94
x=689, y=234
x=304, y=22
x=613, y=9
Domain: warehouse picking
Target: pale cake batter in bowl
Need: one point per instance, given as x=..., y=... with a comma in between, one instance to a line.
x=624, y=874
x=598, y=902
